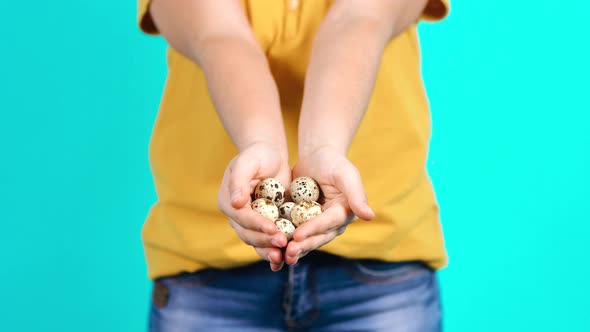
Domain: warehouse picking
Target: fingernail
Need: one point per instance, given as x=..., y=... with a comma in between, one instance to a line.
x=269, y=230
x=274, y=243
x=236, y=194
x=369, y=210
x=278, y=268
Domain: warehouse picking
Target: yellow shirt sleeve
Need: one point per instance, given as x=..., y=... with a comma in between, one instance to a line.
x=146, y=23
x=436, y=10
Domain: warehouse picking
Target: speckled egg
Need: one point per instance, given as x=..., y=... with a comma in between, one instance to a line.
x=304, y=188
x=285, y=210
x=271, y=189
x=286, y=227
x=303, y=211
x=266, y=208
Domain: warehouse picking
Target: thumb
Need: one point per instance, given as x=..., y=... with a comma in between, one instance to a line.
x=242, y=172
x=348, y=180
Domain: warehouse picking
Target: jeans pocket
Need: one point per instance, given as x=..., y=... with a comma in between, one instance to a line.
x=380, y=272
x=180, y=284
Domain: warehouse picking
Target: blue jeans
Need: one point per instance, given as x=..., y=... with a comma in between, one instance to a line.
x=320, y=293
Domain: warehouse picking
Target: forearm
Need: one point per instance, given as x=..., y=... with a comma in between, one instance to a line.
x=216, y=35
x=244, y=93
x=338, y=86
x=343, y=68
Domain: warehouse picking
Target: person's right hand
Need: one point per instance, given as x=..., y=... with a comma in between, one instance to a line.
x=255, y=163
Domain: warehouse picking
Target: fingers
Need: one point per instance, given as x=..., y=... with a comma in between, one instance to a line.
x=245, y=216
x=333, y=217
x=273, y=255
x=259, y=239
x=266, y=246
x=348, y=179
x=295, y=250
x=276, y=267
x=252, y=220
x=241, y=171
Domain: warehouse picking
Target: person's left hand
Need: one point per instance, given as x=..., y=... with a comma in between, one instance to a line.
x=343, y=198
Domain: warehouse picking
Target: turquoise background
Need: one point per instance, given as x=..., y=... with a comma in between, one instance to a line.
x=508, y=85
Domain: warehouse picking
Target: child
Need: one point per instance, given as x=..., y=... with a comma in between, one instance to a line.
x=273, y=88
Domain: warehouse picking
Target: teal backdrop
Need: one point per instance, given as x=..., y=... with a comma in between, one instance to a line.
x=510, y=159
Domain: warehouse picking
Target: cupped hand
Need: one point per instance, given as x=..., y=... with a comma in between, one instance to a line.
x=253, y=164
x=344, y=199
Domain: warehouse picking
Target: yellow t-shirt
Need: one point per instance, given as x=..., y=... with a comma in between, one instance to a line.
x=189, y=150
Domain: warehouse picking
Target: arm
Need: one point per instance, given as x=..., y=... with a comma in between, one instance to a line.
x=216, y=35
x=344, y=63
x=343, y=68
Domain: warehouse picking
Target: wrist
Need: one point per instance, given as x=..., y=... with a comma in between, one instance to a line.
x=306, y=150
x=278, y=149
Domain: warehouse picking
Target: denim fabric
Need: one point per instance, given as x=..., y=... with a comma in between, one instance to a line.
x=321, y=293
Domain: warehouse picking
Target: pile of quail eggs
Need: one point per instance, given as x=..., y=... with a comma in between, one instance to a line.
x=269, y=201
